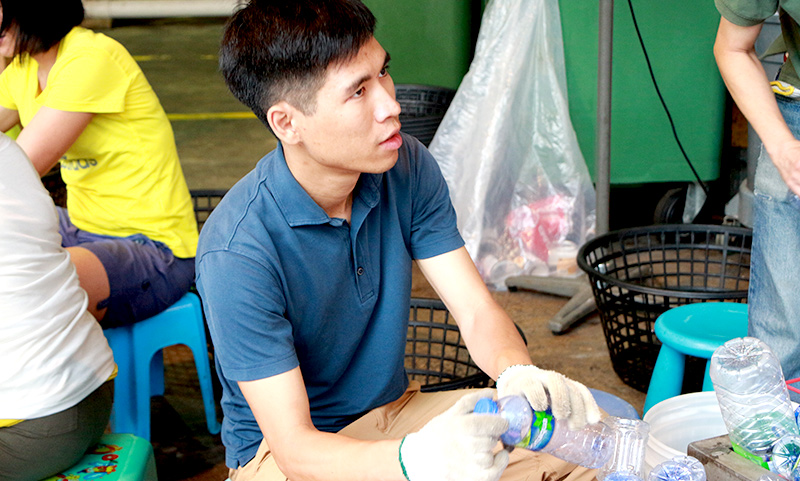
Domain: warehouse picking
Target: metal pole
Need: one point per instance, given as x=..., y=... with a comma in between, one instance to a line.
x=603, y=128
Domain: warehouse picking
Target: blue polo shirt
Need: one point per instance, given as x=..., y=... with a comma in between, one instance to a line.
x=285, y=285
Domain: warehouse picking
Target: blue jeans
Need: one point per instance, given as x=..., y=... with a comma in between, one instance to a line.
x=774, y=301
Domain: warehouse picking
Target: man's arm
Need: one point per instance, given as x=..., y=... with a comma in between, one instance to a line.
x=747, y=82
x=50, y=134
x=457, y=445
x=490, y=335
x=496, y=346
x=280, y=405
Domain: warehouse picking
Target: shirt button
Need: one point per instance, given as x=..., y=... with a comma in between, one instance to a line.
x=360, y=271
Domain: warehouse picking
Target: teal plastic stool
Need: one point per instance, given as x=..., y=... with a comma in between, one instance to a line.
x=696, y=330
x=117, y=457
x=138, y=354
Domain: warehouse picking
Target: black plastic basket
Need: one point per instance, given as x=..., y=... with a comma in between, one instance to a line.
x=435, y=353
x=422, y=109
x=637, y=274
x=205, y=200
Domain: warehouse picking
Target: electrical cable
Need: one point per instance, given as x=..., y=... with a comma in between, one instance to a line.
x=663, y=103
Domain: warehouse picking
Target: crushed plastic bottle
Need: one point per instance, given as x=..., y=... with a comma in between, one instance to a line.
x=679, y=468
x=752, y=396
x=784, y=456
x=590, y=447
x=630, y=439
x=622, y=476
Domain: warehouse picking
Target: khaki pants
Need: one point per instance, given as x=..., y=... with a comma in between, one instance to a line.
x=409, y=414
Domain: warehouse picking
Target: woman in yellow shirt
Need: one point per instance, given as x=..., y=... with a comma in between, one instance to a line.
x=82, y=100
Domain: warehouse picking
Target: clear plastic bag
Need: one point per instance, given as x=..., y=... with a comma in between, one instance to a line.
x=506, y=146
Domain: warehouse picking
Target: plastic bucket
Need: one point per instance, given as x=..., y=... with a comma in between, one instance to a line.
x=678, y=421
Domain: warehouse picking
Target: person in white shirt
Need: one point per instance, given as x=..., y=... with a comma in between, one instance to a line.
x=55, y=382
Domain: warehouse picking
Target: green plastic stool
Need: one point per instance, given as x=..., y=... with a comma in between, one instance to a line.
x=117, y=457
x=695, y=330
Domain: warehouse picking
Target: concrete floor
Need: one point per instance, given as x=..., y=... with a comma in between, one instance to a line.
x=180, y=60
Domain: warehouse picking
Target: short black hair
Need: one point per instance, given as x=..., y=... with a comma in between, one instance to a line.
x=275, y=50
x=40, y=24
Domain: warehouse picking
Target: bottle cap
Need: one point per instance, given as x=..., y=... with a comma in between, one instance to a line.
x=485, y=406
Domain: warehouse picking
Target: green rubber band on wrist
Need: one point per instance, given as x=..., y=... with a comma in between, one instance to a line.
x=400, y=458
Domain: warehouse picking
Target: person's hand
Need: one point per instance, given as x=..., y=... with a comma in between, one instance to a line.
x=787, y=161
x=457, y=445
x=568, y=399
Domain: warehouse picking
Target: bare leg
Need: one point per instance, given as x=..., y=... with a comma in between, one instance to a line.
x=93, y=278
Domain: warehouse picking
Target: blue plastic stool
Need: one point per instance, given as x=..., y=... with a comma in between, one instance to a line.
x=117, y=457
x=696, y=330
x=138, y=354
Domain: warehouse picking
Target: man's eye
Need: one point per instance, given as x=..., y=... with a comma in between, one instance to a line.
x=359, y=92
x=384, y=71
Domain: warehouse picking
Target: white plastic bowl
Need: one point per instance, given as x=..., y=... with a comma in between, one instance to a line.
x=678, y=421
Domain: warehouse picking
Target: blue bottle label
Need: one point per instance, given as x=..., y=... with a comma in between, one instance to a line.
x=540, y=433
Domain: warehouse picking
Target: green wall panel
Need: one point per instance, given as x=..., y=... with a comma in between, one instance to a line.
x=429, y=40
x=679, y=37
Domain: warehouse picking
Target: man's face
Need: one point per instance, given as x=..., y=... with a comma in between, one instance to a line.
x=355, y=125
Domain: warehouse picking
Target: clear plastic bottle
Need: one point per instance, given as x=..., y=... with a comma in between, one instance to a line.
x=591, y=446
x=752, y=396
x=784, y=456
x=622, y=476
x=679, y=468
x=630, y=439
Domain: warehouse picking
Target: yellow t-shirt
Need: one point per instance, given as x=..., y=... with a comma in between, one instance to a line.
x=123, y=175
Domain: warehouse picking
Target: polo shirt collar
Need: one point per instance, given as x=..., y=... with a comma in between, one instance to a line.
x=298, y=208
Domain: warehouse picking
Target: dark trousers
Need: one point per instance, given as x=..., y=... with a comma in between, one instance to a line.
x=38, y=448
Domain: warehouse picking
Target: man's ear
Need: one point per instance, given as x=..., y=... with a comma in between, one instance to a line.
x=281, y=118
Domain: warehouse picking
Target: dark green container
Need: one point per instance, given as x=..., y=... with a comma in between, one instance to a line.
x=679, y=36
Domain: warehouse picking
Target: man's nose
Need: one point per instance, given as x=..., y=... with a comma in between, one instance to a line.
x=387, y=107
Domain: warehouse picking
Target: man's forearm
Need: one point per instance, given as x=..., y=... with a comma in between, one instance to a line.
x=329, y=457
x=494, y=342
x=302, y=452
x=747, y=83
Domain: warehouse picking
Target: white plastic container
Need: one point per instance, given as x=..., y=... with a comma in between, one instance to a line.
x=678, y=421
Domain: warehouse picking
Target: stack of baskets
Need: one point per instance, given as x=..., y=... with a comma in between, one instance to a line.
x=422, y=108
x=637, y=274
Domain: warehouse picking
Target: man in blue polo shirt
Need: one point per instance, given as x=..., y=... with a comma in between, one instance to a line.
x=305, y=273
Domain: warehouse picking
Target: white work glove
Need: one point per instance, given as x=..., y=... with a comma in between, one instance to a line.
x=568, y=399
x=456, y=445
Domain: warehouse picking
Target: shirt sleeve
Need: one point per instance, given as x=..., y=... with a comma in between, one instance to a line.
x=434, y=228
x=244, y=310
x=88, y=81
x=746, y=13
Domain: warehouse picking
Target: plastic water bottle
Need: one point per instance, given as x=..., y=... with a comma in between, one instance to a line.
x=622, y=476
x=679, y=468
x=784, y=456
x=539, y=431
x=630, y=439
x=752, y=397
